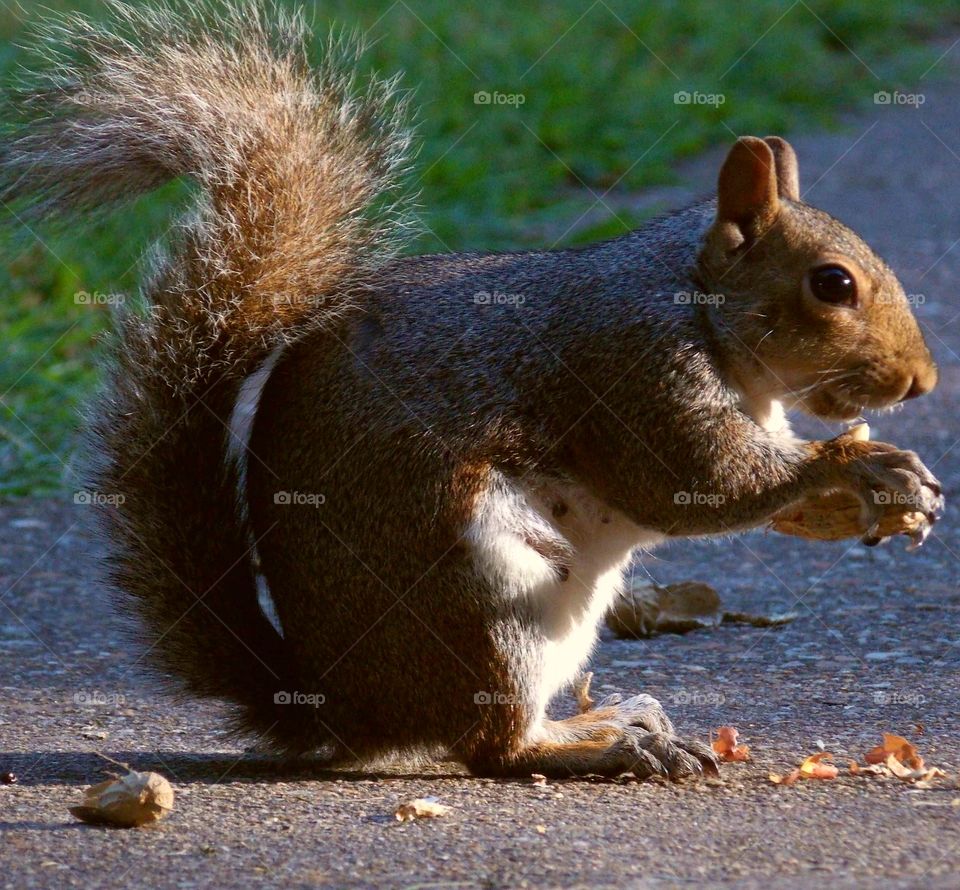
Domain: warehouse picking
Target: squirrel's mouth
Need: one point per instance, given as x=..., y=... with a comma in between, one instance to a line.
x=827, y=403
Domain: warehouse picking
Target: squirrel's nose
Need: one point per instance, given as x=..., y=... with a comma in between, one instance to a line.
x=923, y=382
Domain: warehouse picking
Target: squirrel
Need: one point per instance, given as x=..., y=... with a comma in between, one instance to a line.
x=451, y=459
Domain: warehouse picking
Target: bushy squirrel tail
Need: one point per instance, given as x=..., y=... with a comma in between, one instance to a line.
x=299, y=201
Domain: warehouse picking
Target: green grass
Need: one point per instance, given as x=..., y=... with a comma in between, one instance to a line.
x=598, y=85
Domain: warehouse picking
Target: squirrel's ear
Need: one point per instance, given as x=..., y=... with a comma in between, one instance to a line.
x=788, y=171
x=747, y=193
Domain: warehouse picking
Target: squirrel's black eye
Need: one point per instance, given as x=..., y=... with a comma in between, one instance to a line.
x=833, y=284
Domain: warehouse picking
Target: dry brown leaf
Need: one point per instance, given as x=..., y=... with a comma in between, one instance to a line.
x=916, y=776
x=898, y=747
x=814, y=767
x=778, y=619
x=898, y=757
x=420, y=808
x=873, y=769
x=648, y=609
x=127, y=801
x=899, y=770
x=925, y=781
x=811, y=768
x=726, y=747
x=645, y=609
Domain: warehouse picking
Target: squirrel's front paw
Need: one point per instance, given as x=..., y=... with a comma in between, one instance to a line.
x=886, y=478
x=891, y=484
x=647, y=754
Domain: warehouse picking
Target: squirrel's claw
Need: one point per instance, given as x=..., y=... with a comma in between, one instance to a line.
x=919, y=535
x=648, y=754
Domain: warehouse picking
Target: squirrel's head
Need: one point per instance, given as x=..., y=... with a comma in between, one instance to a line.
x=808, y=314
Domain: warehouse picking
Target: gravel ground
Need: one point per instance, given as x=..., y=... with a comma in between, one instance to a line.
x=875, y=648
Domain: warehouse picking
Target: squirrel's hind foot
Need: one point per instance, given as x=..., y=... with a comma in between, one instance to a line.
x=662, y=754
x=649, y=740
x=617, y=737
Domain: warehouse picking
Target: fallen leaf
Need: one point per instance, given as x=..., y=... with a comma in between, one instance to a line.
x=788, y=779
x=420, y=808
x=127, y=801
x=874, y=769
x=726, y=747
x=899, y=770
x=927, y=781
x=897, y=747
x=916, y=776
x=646, y=609
x=897, y=757
x=814, y=767
x=775, y=620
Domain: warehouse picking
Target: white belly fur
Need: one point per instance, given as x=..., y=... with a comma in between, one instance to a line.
x=569, y=528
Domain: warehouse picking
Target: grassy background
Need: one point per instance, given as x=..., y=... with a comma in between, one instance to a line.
x=598, y=84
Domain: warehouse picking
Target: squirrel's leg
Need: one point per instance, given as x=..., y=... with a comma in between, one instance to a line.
x=618, y=736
